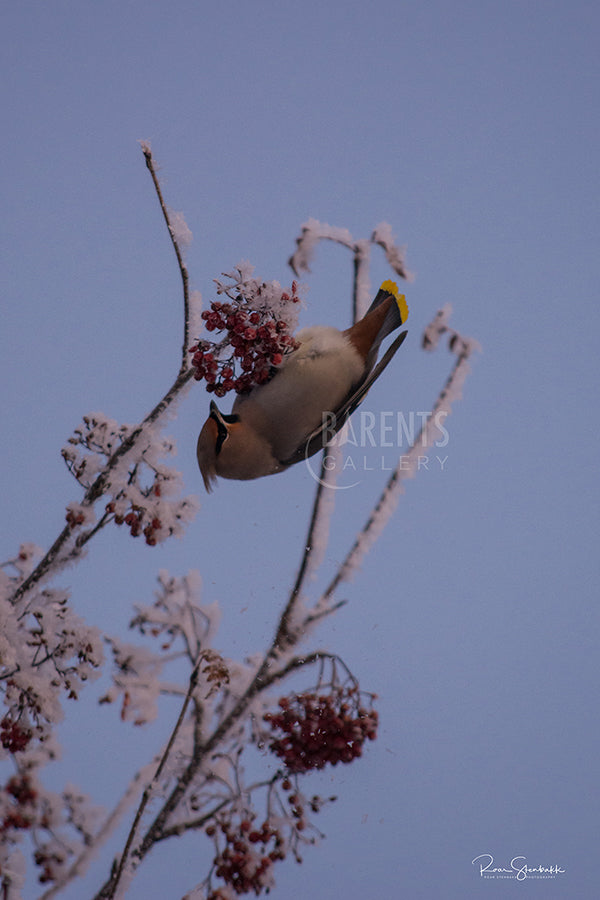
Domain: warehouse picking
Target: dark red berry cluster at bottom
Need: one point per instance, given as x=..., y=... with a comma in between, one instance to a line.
x=245, y=860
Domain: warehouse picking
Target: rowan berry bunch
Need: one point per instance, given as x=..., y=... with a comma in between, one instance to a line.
x=312, y=730
x=19, y=804
x=245, y=861
x=141, y=519
x=255, y=337
x=142, y=488
x=13, y=736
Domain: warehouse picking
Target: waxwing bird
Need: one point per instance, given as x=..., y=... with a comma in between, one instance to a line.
x=308, y=399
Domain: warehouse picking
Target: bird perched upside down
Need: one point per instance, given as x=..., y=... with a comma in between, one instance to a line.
x=308, y=399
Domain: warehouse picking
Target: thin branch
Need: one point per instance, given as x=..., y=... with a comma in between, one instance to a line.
x=182, y=267
x=95, y=491
x=361, y=286
x=360, y=282
x=81, y=863
x=97, y=488
x=382, y=509
x=298, y=662
x=383, y=237
x=193, y=824
x=283, y=635
x=261, y=681
x=109, y=889
x=316, y=616
x=86, y=536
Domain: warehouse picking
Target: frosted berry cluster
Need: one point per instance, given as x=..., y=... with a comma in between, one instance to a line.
x=126, y=463
x=246, y=852
x=244, y=862
x=312, y=730
x=13, y=736
x=19, y=804
x=140, y=519
x=255, y=340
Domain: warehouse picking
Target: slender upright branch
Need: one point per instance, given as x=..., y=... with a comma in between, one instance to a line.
x=97, y=488
x=82, y=861
x=284, y=632
x=110, y=888
x=361, y=287
x=380, y=513
x=182, y=267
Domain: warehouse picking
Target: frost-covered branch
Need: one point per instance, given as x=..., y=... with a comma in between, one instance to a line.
x=314, y=545
x=148, y=790
x=311, y=233
x=69, y=543
x=91, y=848
x=227, y=710
x=180, y=235
x=407, y=464
x=314, y=231
x=383, y=237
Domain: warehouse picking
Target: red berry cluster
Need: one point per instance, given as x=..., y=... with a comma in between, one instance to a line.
x=22, y=814
x=245, y=860
x=254, y=342
x=13, y=736
x=313, y=730
x=137, y=516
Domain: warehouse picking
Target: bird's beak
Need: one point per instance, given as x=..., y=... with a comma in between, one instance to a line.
x=212, y=437
x=222, y=429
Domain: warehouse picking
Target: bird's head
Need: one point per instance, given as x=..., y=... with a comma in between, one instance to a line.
x=229, y=448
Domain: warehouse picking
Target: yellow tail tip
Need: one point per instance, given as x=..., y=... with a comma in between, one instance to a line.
x=392, y=288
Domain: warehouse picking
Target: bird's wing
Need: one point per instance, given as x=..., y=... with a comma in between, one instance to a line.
x=318, y=439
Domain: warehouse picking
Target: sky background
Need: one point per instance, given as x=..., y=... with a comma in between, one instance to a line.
x=471, y=127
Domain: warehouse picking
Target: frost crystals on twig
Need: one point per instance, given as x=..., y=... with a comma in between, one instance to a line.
x=313, y=231
x=462, y=348
x=228, y=710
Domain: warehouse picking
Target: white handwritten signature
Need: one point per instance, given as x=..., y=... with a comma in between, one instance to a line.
x=518, y=867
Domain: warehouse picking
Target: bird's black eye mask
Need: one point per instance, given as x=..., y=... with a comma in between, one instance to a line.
x=222, y=422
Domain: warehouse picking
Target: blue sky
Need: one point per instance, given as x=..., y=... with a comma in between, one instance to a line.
x=471, y=128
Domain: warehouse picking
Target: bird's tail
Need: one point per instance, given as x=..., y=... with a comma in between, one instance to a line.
x=387, y=312
x=398, y=311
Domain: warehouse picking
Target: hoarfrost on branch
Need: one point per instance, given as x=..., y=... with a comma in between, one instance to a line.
x=226, y=708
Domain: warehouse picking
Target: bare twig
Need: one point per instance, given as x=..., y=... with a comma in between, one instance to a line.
x=182, y=267
x=108, y=891
x=60, y=551
x=81, y=863
x=284, y=633
x=384, y=506
x=193, y=824
x=360, y=288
